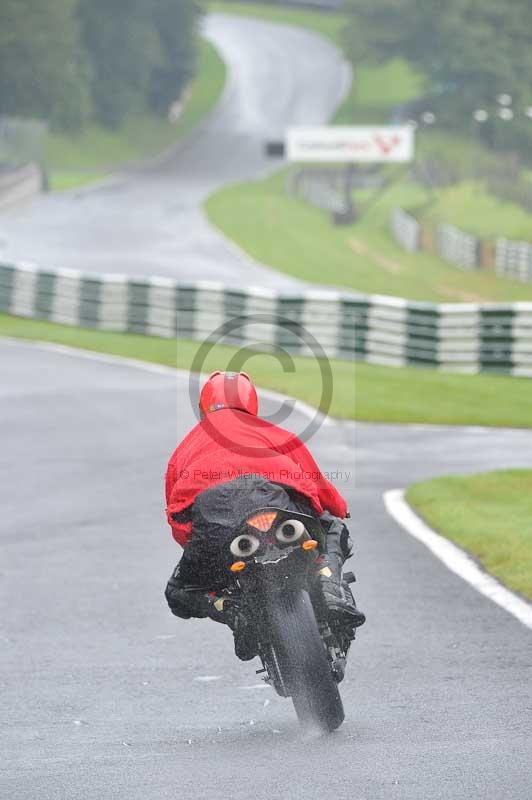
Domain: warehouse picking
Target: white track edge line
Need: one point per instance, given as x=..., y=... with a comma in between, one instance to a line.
x=456, y=559
x=304, y=408
x=160, y=369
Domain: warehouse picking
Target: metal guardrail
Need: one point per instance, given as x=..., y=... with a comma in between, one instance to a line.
x=511, y=259
x=382, y=330
x=458, y=247
x=331, y=189
x=326, y=189
x=453, y=245
x=406, y=230
x=514, y=260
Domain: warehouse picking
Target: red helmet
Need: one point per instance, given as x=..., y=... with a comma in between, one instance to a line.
x=229, y=390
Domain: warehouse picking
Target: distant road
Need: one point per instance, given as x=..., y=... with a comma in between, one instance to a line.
x=151, y=222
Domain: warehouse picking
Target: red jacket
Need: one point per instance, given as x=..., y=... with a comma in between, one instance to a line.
x=227, y=444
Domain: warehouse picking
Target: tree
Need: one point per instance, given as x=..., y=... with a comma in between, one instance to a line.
x=142, y=53
x=42, y=73
x=470, y=50
x=381, y=30
x=123, y=48
x=62, y=60
x=176, y=26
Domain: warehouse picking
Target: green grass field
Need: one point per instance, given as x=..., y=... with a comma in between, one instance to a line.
x=376, y=91
x=293, y=237
x=469, y=206
x=489, y=515
x=73, y=161
x=360, y=391
x=63, y=180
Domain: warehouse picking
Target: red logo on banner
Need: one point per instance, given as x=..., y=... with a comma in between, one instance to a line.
x=387, y=144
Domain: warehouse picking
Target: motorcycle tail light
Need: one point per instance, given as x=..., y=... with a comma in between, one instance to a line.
x=310, y=544
x=262, y=522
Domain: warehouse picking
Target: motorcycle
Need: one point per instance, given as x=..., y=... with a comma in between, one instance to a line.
x=271, y=569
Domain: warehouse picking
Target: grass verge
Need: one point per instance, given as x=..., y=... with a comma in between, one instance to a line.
x=489, y=515
x=73, y=161
x=376, y=91
x=360, y=391
x=62, y=181
x=472, y=208
x=293, y=237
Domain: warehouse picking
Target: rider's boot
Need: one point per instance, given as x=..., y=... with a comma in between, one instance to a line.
x=243, y=633
x=341, y=606
x=186, y=604
x=246, y=646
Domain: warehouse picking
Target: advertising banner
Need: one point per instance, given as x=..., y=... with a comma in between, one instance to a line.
x=357, y=144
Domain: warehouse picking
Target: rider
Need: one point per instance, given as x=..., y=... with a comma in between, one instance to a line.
x=233, y=458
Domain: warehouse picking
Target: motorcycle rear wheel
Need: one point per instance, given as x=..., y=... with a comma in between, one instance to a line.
x=303, y=662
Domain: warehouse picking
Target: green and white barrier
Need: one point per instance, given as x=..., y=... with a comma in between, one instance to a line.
x=383, y=330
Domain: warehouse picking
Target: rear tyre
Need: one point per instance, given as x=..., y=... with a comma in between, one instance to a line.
x=303, y=662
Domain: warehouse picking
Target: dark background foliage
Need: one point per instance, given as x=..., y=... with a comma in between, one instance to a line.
x=68, y=61
x=470, y=51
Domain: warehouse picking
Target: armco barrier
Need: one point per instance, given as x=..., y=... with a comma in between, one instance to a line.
x=452, y=244
x=381, y=330
x=406, y=230
x=331, y=189
x=325, y=189
x=458, y=247
x=514, y=260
